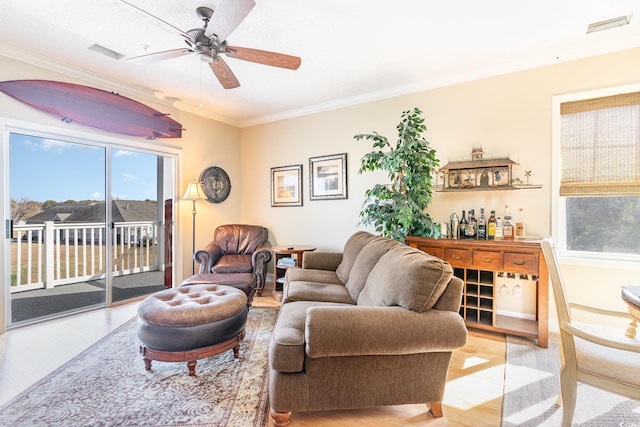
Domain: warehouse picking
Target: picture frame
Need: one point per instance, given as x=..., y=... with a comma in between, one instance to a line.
x=328, y=177
x=286, y=185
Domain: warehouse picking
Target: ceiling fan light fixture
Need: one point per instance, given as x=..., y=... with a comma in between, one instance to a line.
x=609, y=23
x=207, y=55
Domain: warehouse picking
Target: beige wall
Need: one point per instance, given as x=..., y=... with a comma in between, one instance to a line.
x=507, y=115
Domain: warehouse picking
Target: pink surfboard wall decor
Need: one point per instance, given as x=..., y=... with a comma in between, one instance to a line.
x=93, y=107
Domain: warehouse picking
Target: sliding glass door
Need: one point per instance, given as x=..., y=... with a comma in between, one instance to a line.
x=137, y=211
x=87, y=227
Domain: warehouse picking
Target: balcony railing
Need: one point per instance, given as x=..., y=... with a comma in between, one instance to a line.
x=52, y=254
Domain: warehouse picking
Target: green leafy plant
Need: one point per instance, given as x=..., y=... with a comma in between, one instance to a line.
x=398, y=209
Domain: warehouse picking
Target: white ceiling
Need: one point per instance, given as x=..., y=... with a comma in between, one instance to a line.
x=352, y=50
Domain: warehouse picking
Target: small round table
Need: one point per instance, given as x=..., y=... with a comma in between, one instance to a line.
x=280, y=267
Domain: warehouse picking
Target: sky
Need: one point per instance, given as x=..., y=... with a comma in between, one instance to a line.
x=47, y=169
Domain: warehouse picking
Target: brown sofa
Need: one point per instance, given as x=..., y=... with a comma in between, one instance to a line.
x=374, y=325
x=237, y=248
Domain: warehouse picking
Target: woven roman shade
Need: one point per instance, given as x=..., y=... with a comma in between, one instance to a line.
x=600, y=146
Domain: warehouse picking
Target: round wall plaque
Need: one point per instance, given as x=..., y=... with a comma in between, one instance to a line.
x=216, y=184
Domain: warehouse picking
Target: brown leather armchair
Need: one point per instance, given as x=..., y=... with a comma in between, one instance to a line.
x=237, y=248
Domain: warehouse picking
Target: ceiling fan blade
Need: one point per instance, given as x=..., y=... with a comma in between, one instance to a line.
x=224, y=74
x=227, y=16
x=264, y=57
x=152, y=18
x=160, y=56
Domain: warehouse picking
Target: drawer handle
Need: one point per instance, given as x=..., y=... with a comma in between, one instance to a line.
x=518, y=261
x=486, y=258
x=456, y=256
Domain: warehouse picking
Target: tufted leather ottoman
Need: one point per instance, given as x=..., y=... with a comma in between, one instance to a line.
x=243, y=281
x=190, y=323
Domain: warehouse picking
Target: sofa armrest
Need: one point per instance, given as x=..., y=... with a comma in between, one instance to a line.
x=357, y=331
x=207, y=257
x=321, y=260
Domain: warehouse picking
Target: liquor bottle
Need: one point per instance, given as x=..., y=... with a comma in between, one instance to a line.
x=491, y=226
x=471, y=225
x=462, y=227
x=507, y=225
x=520, y=231
x=482, y=225
x=499, y=230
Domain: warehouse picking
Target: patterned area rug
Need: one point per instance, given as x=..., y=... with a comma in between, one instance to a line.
x=532, y=384
x=107, y=385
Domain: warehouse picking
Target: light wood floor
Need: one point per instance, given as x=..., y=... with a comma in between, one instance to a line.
x=473, y=395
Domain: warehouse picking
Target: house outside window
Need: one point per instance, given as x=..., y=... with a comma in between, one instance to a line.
x=596, y=189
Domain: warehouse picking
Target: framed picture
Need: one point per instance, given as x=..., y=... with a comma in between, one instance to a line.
x=328, y=177
x=286, y=188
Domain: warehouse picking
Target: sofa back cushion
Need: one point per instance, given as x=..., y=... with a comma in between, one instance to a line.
x=352, y=248
x=408, y=278
x=364, y=262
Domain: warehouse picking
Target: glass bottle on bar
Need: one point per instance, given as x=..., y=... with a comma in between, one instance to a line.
x=471, y=225
x=499, y=230
x=520, y=231
x=462, y=227
x=482, y=225
x=507, y=225
x=491, y=226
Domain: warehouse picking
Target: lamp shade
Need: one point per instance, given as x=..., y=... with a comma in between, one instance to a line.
x=194, y=192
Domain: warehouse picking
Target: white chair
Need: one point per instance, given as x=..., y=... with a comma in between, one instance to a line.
x=605, y=362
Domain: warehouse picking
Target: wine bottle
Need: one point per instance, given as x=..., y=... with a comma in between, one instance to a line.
x=482, y=225
x=471, y=225
x=462, y=227
x=499, y=231
x=491, y=226
x=521, y=225
x=507, y=225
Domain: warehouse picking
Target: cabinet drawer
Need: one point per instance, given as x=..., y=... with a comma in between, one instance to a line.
x=521, y=263
x=487, y=259
x=437, y=252
x=458, y=257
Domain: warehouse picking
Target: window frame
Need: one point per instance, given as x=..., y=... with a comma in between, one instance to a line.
x=558, y=203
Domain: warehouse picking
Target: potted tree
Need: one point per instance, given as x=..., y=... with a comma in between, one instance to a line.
x=398, y=209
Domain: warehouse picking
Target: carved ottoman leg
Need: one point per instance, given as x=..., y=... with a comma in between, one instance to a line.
x=147, y=364
x=280, y=419
x=191, y=364
x=236, y=352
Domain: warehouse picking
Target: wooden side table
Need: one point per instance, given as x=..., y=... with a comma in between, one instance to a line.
x=279, y=268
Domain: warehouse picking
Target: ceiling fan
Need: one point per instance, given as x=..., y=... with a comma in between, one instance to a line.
x=210, y=42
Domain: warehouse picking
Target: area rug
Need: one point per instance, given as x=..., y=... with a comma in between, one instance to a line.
x=107, y=385
x=532, y=384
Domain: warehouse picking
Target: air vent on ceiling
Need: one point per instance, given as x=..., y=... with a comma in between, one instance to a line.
x=609, y=23
x=107, y=52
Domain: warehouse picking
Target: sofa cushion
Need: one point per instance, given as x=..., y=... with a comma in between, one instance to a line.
x=317, y=291
x=364, y=262
x=310, y=275
x=287, y=347
x=408, y=278
x=352, y=248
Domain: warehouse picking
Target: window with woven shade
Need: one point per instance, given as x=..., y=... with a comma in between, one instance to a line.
x=600, y=146
x=600, y=175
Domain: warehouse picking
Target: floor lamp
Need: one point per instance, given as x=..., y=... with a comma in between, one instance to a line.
x=194, y=192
